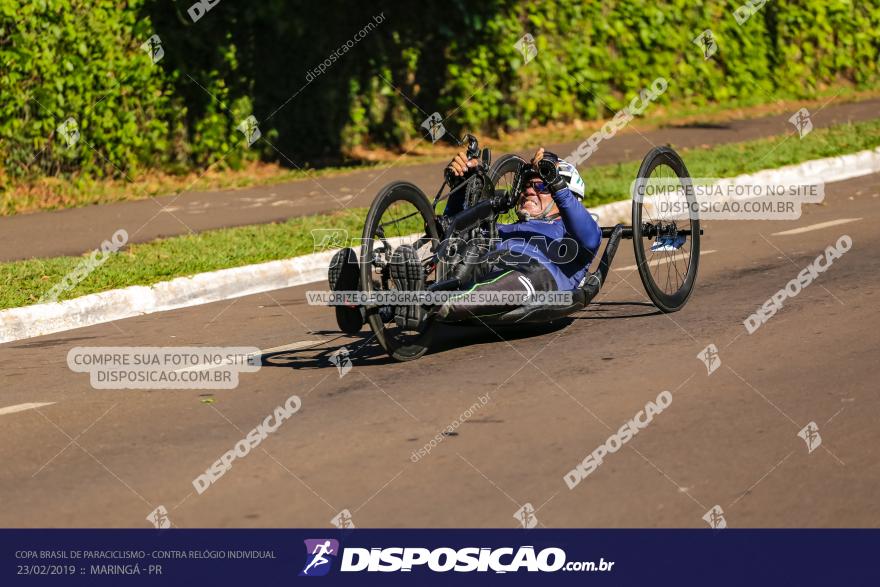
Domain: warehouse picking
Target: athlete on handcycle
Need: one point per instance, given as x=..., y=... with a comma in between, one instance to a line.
x=550, y=248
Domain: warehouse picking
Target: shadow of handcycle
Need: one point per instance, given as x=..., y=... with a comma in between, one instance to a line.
x=363, y=350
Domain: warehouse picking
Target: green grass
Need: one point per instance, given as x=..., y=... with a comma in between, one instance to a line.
x=160, y=260
x=611, y=182
x=144, y=264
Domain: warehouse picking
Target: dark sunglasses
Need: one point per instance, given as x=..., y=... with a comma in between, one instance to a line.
x=539, y=186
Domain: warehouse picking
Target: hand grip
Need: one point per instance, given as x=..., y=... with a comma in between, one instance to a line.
x=473, y=147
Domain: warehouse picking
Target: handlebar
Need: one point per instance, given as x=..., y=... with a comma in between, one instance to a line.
x=449, y=176
x=472, y=152
x=473, y=147
x=469, y=219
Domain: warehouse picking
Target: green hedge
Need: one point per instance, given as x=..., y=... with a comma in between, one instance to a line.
x=60, y=59
x=594, y=56
x=82, y=59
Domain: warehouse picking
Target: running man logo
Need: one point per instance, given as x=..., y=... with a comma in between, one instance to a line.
x=328, y=239
x=434, y=128
x=342, y=360
x=706, y=42
x=715, y=518
x=250, y=129
x=320, y=554
x=526, y=47
x=802, y=122
x=810, y=434
x=710, y=358
x=69, y=132
x=343, y=520
x=526, y=516
x=153, y=48
x=159, y=518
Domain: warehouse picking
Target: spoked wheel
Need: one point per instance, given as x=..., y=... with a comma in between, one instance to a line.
x=666, y=229
x=400, y=214
x=503, y=173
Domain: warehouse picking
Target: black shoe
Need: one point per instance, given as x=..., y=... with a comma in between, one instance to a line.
x=408, y=275
x=610, y=250
x=344, y=274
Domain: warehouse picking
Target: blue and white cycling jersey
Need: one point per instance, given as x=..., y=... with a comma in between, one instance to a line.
x=565, y=246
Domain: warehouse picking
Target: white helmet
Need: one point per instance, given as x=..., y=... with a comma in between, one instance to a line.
x=570, y=174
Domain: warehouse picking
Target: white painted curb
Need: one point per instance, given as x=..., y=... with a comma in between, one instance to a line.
x=214, y=286
x=826, y=170
x=182, y=292
x=40, y=319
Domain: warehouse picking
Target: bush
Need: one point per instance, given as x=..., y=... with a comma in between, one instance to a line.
x=62, y=59
x=83, y=60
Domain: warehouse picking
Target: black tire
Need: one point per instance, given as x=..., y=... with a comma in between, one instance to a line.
x=399, y=344
x=501, y=173
x=679, y=264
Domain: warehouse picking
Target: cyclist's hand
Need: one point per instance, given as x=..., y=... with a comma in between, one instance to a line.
x=547, y=166
x=539, y=154
x=460, y=165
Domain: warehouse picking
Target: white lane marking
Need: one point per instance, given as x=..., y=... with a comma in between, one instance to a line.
x=23, y=407
x=660, y=261
x=819, y=226
x=287, y=347
x=293, y=346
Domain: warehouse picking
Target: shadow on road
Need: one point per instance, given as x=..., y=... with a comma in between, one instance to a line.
x=614, y=312
x=364, y=350
x=361, y=349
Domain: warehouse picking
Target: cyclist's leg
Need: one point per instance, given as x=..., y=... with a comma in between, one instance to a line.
x=476, y=261
x=507, y=286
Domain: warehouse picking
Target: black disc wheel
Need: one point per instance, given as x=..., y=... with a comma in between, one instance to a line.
x=666, y=229
x=400, y=215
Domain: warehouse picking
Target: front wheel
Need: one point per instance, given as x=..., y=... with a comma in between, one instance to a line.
x=400, y=214
x=666, y=229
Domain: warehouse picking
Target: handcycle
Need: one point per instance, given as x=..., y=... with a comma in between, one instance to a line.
x=667, y=251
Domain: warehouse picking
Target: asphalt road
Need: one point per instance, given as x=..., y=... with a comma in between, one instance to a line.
x=78, y=230
x=729, y=439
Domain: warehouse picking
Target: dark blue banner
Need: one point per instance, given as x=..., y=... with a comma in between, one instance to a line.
x=439, y=557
